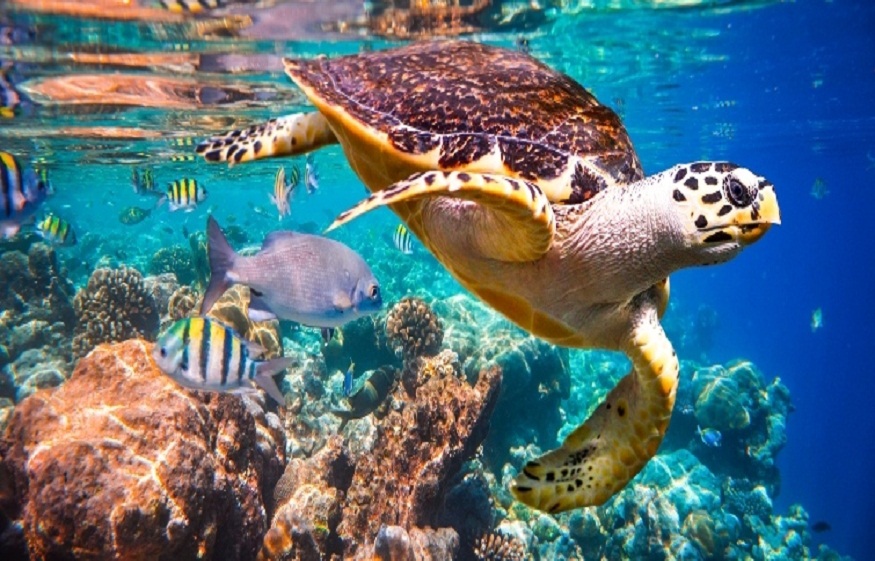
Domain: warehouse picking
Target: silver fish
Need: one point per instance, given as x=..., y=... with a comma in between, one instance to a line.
x=203, y=354
x=311, y=175
x=21, y=193
x=299, y=277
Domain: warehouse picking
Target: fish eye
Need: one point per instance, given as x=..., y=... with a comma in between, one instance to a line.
x=375, y=292
x=163, y=352
x=737, y=192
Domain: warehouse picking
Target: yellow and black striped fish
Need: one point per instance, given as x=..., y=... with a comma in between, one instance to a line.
x=203, y=354
x=190, y=6
x=56, y=230
x=143, y=181
x=184, y=194
x=401, y=239
x=21, y=193
x=282, y=191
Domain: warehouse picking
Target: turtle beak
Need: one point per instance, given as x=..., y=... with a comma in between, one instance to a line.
x=764, y=212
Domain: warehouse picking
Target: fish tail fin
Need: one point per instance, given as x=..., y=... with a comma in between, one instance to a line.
x=264, y=373
x=222, y=258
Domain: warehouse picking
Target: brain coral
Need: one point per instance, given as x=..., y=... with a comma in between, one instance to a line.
x=115, y=305
x=413, y=329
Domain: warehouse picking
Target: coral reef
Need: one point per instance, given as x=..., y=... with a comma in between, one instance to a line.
x=496, y=546
x=536, y=377
x=115, y=305
x=418, y=450
x=120, y=462
x=400, y=477
x=181, y=304
x=174, y=259
x=413, y=329
x=232, y=309
x=36, y=322
x=750, y=414
x=162, y=288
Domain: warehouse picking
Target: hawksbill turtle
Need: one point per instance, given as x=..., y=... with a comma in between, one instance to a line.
x=530, y=193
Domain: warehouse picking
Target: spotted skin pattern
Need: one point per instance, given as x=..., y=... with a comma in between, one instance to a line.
x=283, y=136
x=515, y=201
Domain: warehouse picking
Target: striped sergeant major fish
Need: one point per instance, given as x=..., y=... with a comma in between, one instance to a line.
x=190, y=6
x=282, y=191
x=21, y=193
x=56, y=230
x=401, y=239
x=202, y=354
x=184, y=194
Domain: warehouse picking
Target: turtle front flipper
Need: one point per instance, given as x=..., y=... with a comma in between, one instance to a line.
x=620, y=437
x=512, y=219
x=283, y=136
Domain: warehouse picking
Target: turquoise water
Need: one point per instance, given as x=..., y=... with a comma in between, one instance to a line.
x=783, y=88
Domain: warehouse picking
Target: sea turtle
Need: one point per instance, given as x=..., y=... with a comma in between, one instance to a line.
x=529, y=191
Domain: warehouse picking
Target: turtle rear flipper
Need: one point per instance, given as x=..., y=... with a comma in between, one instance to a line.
x=514, y=221
x=284, y=136
x=619, y=438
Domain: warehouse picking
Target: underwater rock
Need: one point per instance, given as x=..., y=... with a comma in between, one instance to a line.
x=536, y=377
x=114, y=306
x=232, y=309
x=394, y=543
x=120, y=462
x=419, y=449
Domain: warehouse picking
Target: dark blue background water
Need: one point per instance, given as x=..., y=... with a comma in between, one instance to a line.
x=803, y=79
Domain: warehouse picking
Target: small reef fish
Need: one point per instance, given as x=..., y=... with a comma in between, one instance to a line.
x=133, y=215
x=21, y=193
x=184, y=194
x=203, y=354
x=816, y=320
x=311, y=175
x=820, y=526
x=56, y=230
x=347, y=379
x=309, y=279
x=369, y=397
x=282, y=191
x=710, y=437
x=818, y=189
x=143, y=182
x=401, y=239
x=190, y=6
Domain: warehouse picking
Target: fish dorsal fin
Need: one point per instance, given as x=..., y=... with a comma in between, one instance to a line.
x=277, y=237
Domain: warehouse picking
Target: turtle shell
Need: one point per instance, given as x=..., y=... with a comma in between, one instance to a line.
x=457, y=105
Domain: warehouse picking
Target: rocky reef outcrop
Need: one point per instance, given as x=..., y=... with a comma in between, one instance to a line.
x=122, y=463
x=386, y=493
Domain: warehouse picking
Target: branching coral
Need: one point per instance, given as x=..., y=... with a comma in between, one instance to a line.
x=413, y=329
x=499, y=547
x=115, y=305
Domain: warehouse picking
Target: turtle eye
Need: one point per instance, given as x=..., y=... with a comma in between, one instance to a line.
x=736, y=192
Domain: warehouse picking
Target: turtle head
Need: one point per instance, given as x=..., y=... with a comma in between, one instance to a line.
x=724, y=208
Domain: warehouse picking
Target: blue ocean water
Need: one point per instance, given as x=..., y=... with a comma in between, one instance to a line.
x=785, y=89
